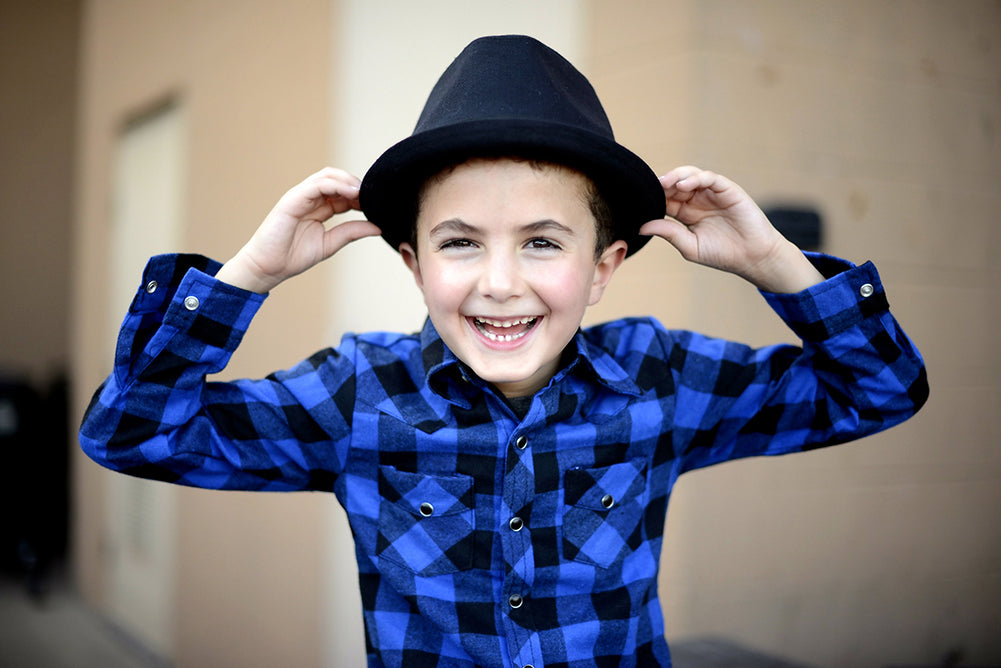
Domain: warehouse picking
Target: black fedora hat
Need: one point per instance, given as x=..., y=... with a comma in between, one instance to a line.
x=512, y=96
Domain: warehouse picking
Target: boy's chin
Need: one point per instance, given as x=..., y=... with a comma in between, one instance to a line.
x=512, y=384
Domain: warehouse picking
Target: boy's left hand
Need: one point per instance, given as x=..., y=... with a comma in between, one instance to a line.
x=713, y=222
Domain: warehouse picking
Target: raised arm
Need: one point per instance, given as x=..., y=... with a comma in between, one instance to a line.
x=156, y=416
x=856, y=373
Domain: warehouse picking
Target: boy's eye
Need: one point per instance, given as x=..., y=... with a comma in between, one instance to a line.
x=542, y=243
x=456, y=243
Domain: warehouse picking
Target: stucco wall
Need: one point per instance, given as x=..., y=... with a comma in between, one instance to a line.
x=252, y=78
x=37, y=117
x=885, y=118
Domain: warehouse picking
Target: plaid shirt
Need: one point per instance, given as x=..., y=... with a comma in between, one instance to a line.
x=483, y=538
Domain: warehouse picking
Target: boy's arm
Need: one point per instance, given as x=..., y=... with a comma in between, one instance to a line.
x=713, y=222
x=157, y=417
x=856, y=374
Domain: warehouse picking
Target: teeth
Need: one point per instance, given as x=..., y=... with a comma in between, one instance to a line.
x=504, y=337
x=505, y=323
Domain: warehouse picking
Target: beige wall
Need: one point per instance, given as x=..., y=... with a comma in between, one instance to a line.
x=252, y=78
x=885, y=116
x=37, y=110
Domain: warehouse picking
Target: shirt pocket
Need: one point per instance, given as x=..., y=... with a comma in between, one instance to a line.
x=426, y=522
x=604, y=512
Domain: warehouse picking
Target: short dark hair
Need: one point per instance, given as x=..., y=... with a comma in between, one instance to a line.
x=604, y=225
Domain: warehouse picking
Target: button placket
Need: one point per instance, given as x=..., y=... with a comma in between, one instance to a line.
x=516, y=541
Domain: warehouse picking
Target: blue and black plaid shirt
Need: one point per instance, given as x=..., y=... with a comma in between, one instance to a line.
x=484, y=538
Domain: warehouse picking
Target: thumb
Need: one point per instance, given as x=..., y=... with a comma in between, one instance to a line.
x=339, y=236
x=675, y=233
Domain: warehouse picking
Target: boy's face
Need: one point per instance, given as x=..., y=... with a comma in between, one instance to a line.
x=506, y=261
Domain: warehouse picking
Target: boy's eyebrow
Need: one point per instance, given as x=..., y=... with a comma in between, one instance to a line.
x=451, y=226
x=459, y=226
x=545, y=226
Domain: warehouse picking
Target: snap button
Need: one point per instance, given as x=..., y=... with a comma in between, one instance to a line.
x=151, y=287
x=607, y=501
x=516, y=524
x=191, y=302
x=866, y=290
x=427, y=510
x=515, y=601
x=521, y=442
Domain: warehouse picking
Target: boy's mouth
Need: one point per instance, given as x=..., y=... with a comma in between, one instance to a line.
x=504, y=331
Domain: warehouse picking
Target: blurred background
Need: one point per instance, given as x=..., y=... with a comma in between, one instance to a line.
x=133, y=127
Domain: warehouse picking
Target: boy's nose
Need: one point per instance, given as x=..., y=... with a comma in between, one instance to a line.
x=501, y=279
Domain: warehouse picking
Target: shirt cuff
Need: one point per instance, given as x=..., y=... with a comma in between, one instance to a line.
x=849, y=295
x=192, y=300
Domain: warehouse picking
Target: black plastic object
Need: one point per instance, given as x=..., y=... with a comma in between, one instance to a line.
x=800, y=225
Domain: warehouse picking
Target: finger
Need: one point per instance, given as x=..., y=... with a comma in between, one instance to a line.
x=701, y=179
x=333, y=172
x=330, y=186
x=341, y=235
x=682, y=184
x=678, y=174
x=329, y=179
x=336, y=182
x=701, y=190
x=345, y=201
x=675, y=233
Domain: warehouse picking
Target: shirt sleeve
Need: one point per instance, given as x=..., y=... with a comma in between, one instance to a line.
x=156, y=416
x=856, y=373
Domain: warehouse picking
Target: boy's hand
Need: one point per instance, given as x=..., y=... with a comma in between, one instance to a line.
x=292, y=237
x=713, y=222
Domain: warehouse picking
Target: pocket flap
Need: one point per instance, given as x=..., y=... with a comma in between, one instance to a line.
x=605, y=487
x=426, y=495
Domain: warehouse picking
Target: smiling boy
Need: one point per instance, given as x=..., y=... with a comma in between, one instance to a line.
x=505, y=473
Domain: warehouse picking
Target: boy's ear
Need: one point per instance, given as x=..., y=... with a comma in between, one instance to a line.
x=409, y=256
x=606, y=265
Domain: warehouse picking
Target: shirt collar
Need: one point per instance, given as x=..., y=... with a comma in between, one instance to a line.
x=448, y=377
x=606, y=370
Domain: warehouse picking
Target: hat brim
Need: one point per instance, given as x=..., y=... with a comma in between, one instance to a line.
x=630, y=188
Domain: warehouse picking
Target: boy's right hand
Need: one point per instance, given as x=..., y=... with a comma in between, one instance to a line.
x=293, y=238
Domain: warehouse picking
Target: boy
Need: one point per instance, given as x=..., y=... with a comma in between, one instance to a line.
x=506, y=475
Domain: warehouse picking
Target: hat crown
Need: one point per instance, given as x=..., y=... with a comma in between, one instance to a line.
x=511, y=95
x=513, y=77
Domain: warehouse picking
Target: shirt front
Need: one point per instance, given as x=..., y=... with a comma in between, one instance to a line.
x=484, y=538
